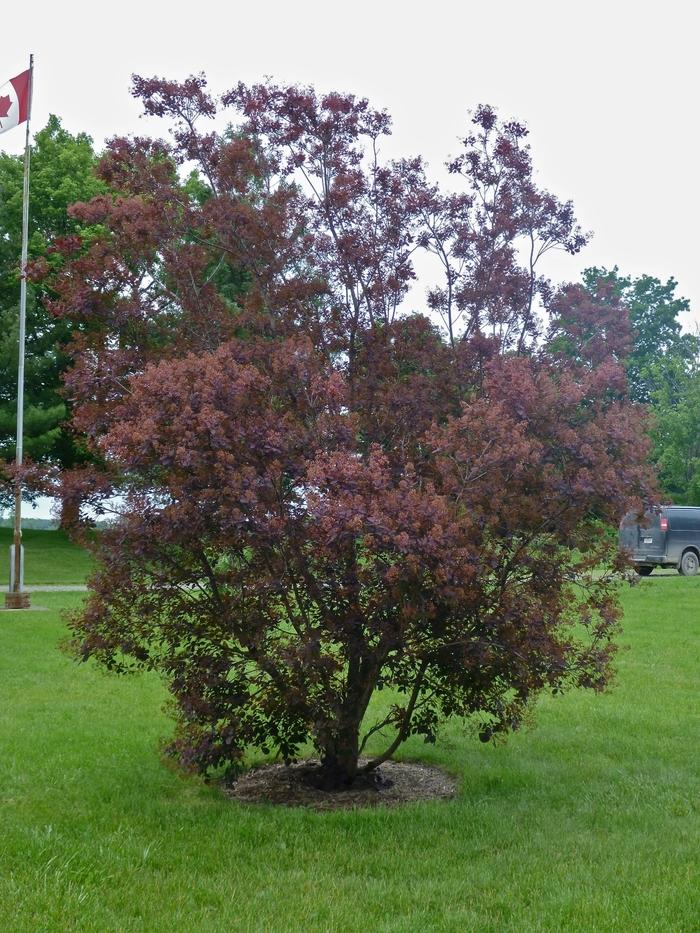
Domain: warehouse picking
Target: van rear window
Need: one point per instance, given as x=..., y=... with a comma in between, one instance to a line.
x=684, y=519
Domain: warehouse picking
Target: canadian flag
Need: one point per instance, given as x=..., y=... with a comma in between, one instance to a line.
x=14, y=100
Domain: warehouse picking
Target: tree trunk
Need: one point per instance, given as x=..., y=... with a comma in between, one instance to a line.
x=339, y=761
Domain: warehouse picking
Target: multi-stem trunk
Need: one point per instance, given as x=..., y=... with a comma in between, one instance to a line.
x=342, y=747
x=341, y=753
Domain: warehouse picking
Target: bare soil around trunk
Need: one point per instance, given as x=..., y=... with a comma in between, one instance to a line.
x=296, y=785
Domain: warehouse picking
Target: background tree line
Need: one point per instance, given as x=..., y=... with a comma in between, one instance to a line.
x=663, y=367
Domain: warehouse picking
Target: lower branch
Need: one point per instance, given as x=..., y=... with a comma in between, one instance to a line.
x=402, y=734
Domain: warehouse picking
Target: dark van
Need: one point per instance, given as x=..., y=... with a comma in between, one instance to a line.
x=668, y=538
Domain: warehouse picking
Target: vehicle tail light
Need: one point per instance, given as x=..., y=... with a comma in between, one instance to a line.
x=663, y=522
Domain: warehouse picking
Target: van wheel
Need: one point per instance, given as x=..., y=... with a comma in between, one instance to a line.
x=689, y=565
x=642, y=570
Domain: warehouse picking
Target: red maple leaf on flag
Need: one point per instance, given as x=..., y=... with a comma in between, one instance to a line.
x=5, y=104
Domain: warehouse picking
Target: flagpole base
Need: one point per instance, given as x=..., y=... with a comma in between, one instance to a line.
x=17, y=600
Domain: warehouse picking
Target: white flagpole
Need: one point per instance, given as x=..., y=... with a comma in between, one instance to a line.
x=18, y=598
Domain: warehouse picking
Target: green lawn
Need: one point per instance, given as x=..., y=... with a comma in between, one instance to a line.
x=589, y=822
x=49, y=557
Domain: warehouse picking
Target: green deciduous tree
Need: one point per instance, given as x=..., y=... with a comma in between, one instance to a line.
x=676, y=437
x=661, y=353
x=61, y=173
x=663, y=371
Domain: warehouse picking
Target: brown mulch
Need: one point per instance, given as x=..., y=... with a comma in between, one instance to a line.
x=397, y=782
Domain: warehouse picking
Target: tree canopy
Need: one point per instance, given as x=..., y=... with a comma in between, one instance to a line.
x=327, y=495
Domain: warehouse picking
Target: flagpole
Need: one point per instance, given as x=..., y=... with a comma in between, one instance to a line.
x=18, y=598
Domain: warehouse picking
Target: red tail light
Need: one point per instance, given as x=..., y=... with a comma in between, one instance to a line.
x=663, y=522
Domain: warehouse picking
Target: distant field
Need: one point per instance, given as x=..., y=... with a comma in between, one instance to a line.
x=49, y=557
x=590, y=822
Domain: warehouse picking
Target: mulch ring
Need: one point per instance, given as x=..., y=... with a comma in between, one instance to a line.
x=396, y=783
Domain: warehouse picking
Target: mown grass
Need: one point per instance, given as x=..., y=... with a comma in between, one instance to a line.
x=589, y=822
x=49, y=558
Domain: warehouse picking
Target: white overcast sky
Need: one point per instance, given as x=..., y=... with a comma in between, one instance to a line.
x=608, y=89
